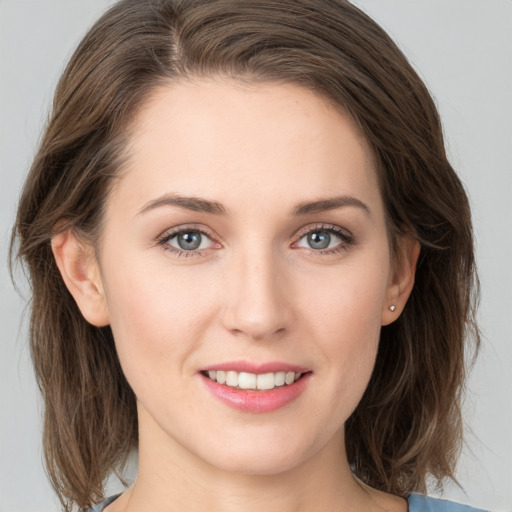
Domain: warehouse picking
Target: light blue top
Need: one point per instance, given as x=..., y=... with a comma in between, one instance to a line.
x=417, y=503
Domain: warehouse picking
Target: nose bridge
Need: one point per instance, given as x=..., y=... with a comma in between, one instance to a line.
x=256, y=304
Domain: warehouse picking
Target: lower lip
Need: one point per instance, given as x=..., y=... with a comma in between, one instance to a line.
x=257, y=401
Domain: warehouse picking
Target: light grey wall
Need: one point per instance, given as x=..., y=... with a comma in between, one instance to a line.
x=462, y=48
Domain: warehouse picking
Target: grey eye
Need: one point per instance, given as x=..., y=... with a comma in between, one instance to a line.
x=319, y=239
x=189, y=240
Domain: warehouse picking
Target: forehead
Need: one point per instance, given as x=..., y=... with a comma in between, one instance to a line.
x=224, y=140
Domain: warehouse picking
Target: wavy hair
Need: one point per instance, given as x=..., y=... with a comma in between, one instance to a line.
x=408, y=424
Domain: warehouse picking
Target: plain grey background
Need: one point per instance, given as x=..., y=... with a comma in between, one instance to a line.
x=462, y=49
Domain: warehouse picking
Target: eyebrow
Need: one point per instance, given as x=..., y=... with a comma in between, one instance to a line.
x=332, y=203
x=195, y=204
x=198, y=204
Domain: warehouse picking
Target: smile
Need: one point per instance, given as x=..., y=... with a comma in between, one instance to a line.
x=253, y=381
x=256, y=388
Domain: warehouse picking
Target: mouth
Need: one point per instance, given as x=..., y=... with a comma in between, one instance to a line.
x=252, y=381
x=256, y=388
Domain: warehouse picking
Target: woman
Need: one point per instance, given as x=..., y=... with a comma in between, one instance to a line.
x=251, y=260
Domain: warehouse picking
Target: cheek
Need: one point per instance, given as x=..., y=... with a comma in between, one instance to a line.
x=346, y=304
x=157, y=317
x=350, y=338
x=345, y=318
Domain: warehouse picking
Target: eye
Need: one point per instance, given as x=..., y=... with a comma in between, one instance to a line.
x=187, y=241
x=326, y=239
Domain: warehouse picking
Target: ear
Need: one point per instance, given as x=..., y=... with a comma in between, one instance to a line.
x=402, y=279
x=80, y=271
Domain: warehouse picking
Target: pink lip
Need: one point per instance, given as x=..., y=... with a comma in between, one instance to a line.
x=257, y=401
x=257, y=368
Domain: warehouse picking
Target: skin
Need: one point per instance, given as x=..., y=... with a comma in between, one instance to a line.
x=255, y=291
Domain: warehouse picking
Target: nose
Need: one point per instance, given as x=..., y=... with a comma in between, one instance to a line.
x=258, y=304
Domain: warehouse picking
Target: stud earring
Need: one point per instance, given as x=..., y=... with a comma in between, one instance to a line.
x=392, y=307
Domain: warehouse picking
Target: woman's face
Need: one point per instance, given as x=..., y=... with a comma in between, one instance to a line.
x=246, y=235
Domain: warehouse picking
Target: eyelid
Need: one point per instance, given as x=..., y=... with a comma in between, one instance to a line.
x=322, y=226
x=171, y=233
x=348, y=239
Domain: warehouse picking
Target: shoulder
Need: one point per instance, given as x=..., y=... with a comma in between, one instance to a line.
x=419, y=503
x=100, y=506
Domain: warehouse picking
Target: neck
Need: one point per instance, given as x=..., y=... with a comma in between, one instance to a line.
x=172, y=478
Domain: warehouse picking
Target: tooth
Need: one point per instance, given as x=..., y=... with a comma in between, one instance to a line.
x=265, y=381
x=280, y=378
x=232, y=378
x=246, y=380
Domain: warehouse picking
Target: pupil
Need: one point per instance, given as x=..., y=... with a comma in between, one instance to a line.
x=189, y=241
x=319, y=240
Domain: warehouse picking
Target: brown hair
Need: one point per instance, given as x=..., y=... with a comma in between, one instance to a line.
x=408, y=423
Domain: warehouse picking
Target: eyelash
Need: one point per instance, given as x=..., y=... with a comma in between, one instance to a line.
x=347, y=238
x=164, y=239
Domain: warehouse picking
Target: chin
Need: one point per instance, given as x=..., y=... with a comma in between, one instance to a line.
x=260, y=465
x=265, y=456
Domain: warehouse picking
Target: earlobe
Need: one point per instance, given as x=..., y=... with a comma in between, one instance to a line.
x=402, y=282
x=80, y=271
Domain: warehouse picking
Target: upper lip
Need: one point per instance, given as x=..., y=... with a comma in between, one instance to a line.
x=256, y=368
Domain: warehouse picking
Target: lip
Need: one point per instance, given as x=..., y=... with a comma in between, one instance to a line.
x=252, y=401
x=257, y=368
